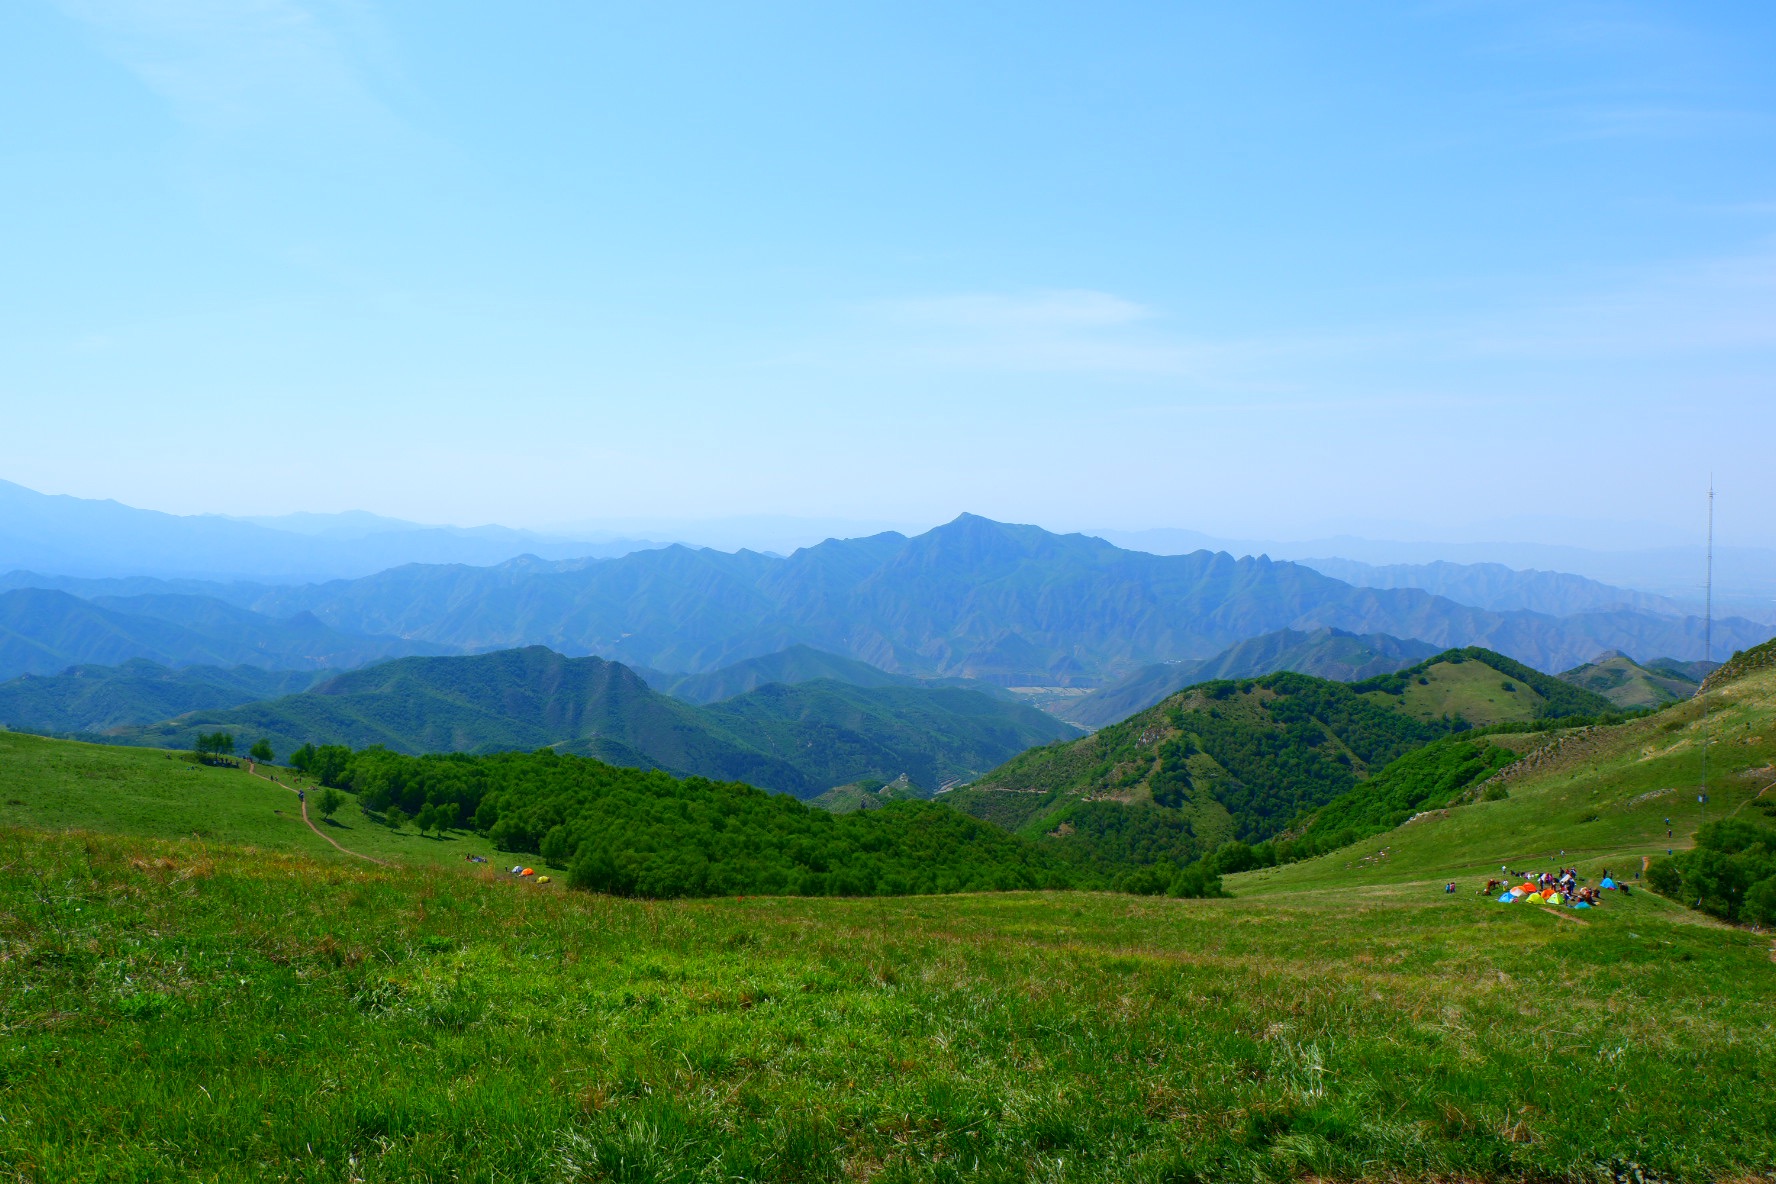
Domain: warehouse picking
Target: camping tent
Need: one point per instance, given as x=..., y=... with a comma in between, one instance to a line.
x=1583, y=904
x=1607, y=883
x=1556, y=898
x=1507, y=898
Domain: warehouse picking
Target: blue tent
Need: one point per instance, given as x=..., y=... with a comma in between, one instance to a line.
x=1583, y=904
x=1607, y=883
x=1507, y=898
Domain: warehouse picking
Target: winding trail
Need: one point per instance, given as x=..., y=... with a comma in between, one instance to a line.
x=253, y=770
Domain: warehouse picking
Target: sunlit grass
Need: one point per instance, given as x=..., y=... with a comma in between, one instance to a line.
x=186, y=1011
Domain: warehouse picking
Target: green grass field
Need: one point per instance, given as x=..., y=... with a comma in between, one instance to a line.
x=179, y=1011
x=64, y=785
x=250, y=1005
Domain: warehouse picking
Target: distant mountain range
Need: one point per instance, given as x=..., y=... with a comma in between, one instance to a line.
x=98, y=699
x=1499, y=588
x=45, y=632
x=1013, y=605
x=1744, y=577
x=973, y=599
x=74, y=536
x=801, y=739
x=1324, y=653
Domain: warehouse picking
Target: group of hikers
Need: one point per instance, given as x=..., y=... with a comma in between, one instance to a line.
x=1562, y=887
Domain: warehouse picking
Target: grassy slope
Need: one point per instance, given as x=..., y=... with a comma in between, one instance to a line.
x=1628, y=684
x=55, y=785
x=1472, y=690
x=206, y=1014
x=1470, y=682
x=1630, y=777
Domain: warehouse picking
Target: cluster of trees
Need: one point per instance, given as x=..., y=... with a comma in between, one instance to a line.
x=213, y=747
x=645, y=833
x=433, y=816
x=326, y=764
x=1730, y=873
x=216, y=746
x=1190, y=881
x=1109, y=835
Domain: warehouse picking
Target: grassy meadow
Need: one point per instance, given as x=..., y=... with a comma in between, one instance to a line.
x=186, y=1011
x=55, y=785
x=194, y=987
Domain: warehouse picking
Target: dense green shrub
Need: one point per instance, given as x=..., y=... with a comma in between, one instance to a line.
x=645, y=833
x=1196, y=882
x=1730, y=873
x=1114, y=835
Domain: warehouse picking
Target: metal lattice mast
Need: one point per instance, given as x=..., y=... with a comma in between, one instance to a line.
x=1707, y=647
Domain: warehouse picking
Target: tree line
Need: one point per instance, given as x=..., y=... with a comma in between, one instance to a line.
x=639, y=832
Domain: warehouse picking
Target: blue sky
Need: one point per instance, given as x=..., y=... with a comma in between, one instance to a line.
x=1263, y=269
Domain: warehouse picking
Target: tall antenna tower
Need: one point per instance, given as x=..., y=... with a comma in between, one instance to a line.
x=1707, y=648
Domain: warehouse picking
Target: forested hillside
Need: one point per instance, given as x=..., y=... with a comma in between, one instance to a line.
x=642, y=833
x=801, y=740
x=1244, y=759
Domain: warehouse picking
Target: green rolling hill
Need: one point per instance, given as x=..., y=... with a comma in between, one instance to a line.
x=1630, y=685
x=100, y=699
x=1323, y=653
x=1244, y=760
x=796, y=664
x=870, y=795
x=799, y=739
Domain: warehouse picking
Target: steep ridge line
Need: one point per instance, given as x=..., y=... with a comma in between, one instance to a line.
x=302, y=798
